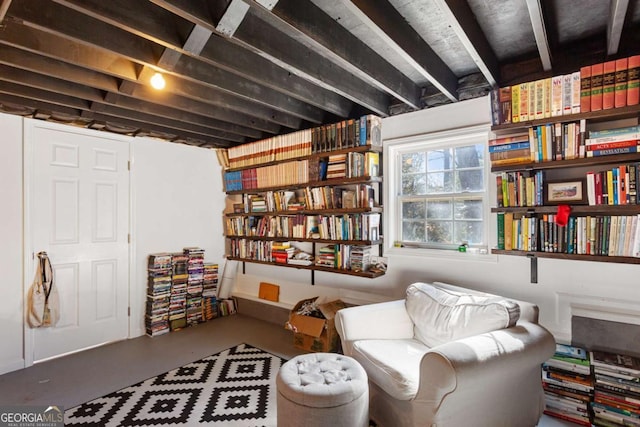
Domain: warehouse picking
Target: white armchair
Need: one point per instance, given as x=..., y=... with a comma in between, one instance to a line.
x=449, y=356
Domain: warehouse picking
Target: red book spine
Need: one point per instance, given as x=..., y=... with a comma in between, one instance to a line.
x=608, y=85
x=585, y=89
x=620, y=89
x=596, y=86
x=633, y=80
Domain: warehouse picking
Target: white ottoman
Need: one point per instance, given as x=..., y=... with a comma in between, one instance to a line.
x=322, y=389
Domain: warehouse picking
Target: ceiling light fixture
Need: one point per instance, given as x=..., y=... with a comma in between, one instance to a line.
x=157, y=81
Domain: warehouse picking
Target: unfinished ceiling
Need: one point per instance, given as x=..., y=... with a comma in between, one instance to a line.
x=241, y=70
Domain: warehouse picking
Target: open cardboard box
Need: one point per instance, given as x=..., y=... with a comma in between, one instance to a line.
x=312, y=333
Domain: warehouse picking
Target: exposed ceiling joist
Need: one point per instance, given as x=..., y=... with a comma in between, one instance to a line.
x=540, y=32
x=387, y=23
x=463, y=22
x=615, y=23
x=4, y=6
x=305, y=21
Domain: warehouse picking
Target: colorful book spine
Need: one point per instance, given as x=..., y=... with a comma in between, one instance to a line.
x=575, y=92
x=596, y=86
x=620, y=88
x=524, y=102
x=556, y=96
x=608, y=85
x=566, y=94
x=515, y=104
x=585, y=89
x=504, y=96
x=612, y=151
x=633, y=80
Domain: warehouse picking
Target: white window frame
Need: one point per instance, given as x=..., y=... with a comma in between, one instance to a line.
x=392, y=181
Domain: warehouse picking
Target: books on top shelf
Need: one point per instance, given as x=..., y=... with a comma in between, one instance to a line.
x=594, y=87
x=568, y=385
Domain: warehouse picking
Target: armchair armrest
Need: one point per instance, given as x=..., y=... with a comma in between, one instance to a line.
x=386, y=320
x=471, y=372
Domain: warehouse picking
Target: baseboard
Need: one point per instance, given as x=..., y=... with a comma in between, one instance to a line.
x=271, y=313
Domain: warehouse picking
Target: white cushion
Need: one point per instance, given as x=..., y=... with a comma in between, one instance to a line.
x=442, y=315
x=394, y=365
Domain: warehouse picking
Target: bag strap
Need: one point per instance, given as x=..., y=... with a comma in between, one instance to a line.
x=46, y=273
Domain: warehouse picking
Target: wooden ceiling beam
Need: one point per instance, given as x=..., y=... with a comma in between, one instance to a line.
x=615, y=24
x=303, y=20
x=76, y=26
x=385, y=21
x=279, y=49
x=540, y=33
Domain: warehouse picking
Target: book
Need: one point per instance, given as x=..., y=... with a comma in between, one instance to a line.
x=585, y=89
x=608, y=84
x=616, y=361
x=556, y=96
x=504, y=96
x=500, y=229
x=633, y=80
x=575, y=92
x=515, y=104
x=596, y=86
x=567, y=94
x=620, y=83
x=524, y=102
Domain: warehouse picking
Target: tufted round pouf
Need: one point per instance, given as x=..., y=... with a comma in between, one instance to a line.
x=322, y=389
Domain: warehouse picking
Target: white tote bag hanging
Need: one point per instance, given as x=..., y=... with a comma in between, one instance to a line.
x=43, y=304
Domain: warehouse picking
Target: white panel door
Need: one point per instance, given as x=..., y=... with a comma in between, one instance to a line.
x=79, y=214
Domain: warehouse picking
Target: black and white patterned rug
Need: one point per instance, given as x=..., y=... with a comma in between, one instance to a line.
x=235, y=387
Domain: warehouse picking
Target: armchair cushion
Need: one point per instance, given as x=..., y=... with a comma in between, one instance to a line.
x=392, y=364
x=442, y=315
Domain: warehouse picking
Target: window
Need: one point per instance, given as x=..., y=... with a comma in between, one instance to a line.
x=440, y=184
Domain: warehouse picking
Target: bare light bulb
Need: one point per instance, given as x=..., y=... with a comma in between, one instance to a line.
x=157, y=81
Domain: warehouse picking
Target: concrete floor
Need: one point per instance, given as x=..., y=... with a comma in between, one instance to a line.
x=77, y=378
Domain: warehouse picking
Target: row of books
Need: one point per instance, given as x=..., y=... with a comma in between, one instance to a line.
x=598, y=388
x=605, y=85
x=562, y=141
x=603, y=235
x=332, y=227
x=615, y=186
x=343, y=257
x=281, y=174
x=520, y=188
x=279, y=147
x=350, y=165
x=328, y=197
x=345, y=134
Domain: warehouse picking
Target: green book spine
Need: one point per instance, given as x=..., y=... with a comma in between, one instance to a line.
x=500, y=230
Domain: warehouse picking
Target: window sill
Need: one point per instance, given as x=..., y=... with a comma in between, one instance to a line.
x=472, y=254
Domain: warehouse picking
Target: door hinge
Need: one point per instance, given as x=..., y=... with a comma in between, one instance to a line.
x=129, y=311
x=128, y=238
x=128, y=165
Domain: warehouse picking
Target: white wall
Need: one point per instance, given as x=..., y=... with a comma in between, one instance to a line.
x=11, y=285
x=606, y=291
x=176, y=201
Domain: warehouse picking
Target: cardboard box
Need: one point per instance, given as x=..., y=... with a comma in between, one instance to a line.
x=313, y=333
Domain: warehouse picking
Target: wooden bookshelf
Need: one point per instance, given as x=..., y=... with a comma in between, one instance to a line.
x=365, y=188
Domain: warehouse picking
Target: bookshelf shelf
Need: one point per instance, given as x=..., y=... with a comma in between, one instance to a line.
x=598, y=258
x=333, y=190
x=594, y=227
x=367, y=274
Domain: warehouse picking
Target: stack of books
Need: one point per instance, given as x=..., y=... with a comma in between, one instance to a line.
x=568, y=385
x=210, y=291
x=326, y=256
x=195, y=269
x=226, y=306
x=158, y=294
x=178, y=304
x=282, y=251
x=613, y=141
x=360, y=258
x=337, y=167
x=616, y=399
